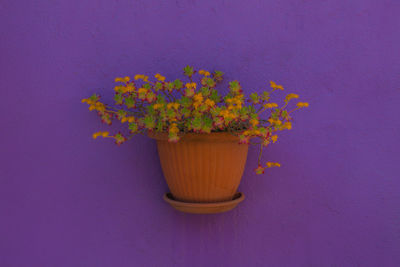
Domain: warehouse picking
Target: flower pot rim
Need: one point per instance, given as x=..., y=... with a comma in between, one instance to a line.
x=207, y=137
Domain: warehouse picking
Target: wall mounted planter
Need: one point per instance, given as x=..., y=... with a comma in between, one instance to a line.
x=203, y=171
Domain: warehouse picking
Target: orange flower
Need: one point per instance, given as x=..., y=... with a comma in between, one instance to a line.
x=302, y=104
x=275, y=86
x=102, y=134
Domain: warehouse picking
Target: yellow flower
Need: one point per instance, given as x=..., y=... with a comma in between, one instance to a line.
x=209, y=102
x=191, y=85
x=288, y=125
x=131, y=119
x=274, y=138
x=227, y=114
x=142, y=90
x=270, y=105
x=276, y=86
x=236, y=100
x=302, y=104
x=95, y=135
x=251, y=132
x=130, y=88
x=291, y=96
x=141, y=77
x=88, y=101
x=159, y=77
x=174, y=128
x=273, y=164
x=118, y=88
x=124, y=119
x=103, y=134
x=198, y=100
x=254, y=122
x=204, y=72
x=198, y=97
x=273, y=121
x=123, y=80
x=173, y=105
x=239, y=96
x=98, y=106
x=157, y=106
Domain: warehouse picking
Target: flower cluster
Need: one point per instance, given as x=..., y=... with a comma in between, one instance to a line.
x=196, y=106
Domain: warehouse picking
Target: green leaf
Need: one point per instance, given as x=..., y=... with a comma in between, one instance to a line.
x=133, y=127
x=178, y=84
x=218, y=75
x=171, y=113
x=205, y=91
x=149, y=122
x=188, y=71
x=215, y=96
x=265, y=96
x=160, y=126
x=118, y=99
x=130, y=102
x=158, y=86
x=210, y=82
x=235, y=87
x=185, y=112
x=207, y=124
x=262, y=130
x=121, y=113
x=161, y=99
x=254, y=115
x=150, y=97
x=150, y=110
x=119, y=138
x=255, y=98
x=94, y=97
x=215, y=111
x=196, y=123
x=185, y=101
x=169, y=86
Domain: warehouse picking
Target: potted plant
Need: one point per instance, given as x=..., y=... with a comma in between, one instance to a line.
x=202, y=136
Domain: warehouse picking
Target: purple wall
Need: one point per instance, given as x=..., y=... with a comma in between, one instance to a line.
x=68, y=200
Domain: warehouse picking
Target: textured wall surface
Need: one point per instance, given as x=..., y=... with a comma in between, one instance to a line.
x=68, y=200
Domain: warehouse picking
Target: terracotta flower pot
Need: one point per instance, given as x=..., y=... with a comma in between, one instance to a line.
x=202, y=168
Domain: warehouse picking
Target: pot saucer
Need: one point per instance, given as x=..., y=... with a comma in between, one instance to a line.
x=204, y=208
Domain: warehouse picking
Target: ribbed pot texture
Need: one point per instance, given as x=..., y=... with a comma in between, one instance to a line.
x=203, y=168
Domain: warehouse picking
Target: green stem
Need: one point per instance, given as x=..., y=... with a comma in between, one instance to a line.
x=260, y=154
